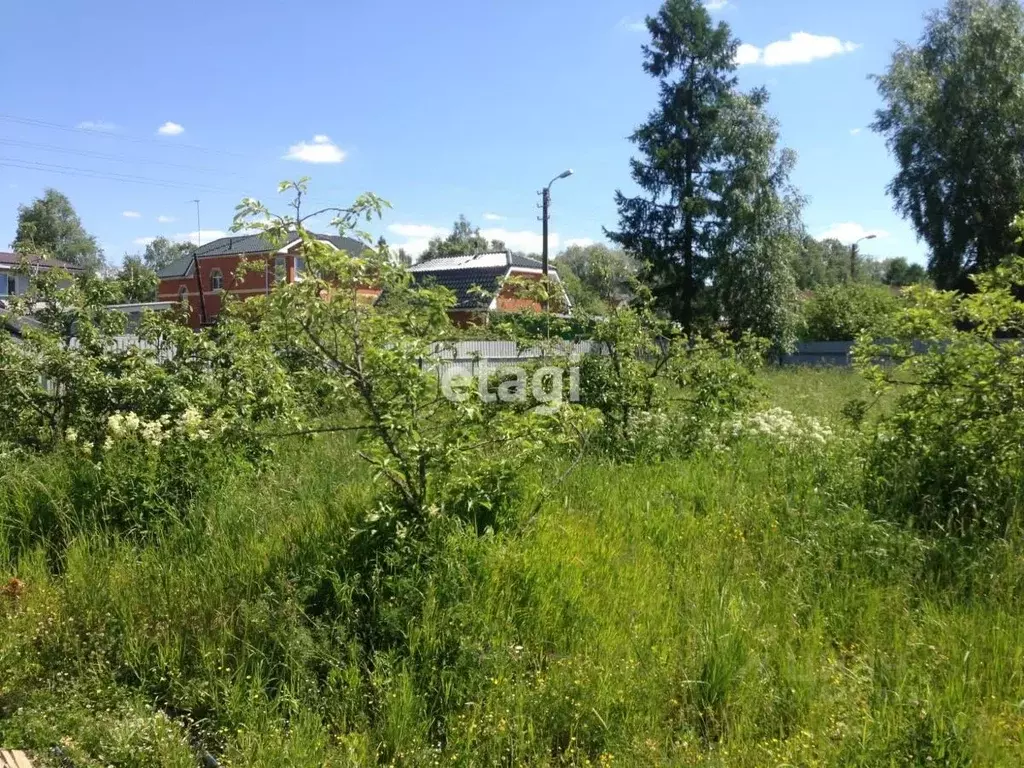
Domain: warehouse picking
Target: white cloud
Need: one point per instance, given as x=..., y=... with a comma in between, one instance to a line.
x=800, y=48
x=143, y=240
x=165, y=219
x=417, y=236
x=855, y=131
x=716, y=5
x=170, y=129
x=320, y=150
x=417, y=230
x=747, y=54
x=631, y=25
x=132, y=215
x=525, y=240
x=201, y=237
x=850, y=232
x=582, y=242
x=96, y=125
x=493, y=217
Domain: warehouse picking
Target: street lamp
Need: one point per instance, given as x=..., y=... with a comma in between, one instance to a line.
x=853, y=255
x=545, y=196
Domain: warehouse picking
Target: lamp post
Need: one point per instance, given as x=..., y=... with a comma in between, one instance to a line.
x=545, y=196
x=853, y=255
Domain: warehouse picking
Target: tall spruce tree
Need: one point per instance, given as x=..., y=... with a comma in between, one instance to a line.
x=682, y=167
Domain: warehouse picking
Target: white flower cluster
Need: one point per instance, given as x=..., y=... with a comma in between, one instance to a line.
x=781, y=426
x=190, y=425
x=130, y=425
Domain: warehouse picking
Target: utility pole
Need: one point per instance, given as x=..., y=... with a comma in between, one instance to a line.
x=853, y=256
x=195, y=266
x=545, y=204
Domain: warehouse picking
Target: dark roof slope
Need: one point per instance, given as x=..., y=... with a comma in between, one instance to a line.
x=525, y=262
x=462, y=281
x=14, y=259
x=180, y=267
x=241, y=245
x=460, y=274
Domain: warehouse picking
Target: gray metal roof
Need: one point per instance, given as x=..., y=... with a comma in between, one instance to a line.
x=240, y=245
x=487, y=260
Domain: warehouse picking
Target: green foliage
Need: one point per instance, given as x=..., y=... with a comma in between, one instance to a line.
x=659, y=391
x=949, y=455
x=152, y=424
x=819, y=263
x=161, y=252
x=135, y=282
x=841, y=312
x=900, y=272
x=727, y=609
x=464, y=240
x=952, y=117
x=424, y=445
x=596, y=277
x=717, y=216
x=50, y=227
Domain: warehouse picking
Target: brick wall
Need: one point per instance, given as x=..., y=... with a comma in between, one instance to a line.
x=254, y=280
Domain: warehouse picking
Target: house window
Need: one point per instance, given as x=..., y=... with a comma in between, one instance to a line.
x=216, y=280
x=300, y=266
x=6, y=285
x=183, y=293
x=281, y=269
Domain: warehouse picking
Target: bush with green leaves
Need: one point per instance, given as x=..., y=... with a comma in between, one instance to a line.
x=949, y=455
x=435, y=454
x=146, y=424
x=660, y=391
x=841, y=312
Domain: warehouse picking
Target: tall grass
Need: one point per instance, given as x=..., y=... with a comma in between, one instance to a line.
x=737, y=609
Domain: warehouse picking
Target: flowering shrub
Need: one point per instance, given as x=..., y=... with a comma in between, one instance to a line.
x=145, y=426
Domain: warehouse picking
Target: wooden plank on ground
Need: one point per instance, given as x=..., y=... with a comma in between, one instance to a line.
x=14, y=758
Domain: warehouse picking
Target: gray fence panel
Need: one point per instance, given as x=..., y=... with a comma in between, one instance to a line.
x=820, y=353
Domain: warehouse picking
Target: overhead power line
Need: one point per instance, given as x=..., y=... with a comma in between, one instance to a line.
x=111, y=135
x=107, y=156
x=67, y=170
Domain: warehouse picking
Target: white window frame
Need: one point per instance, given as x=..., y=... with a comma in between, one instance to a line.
x=216, y=280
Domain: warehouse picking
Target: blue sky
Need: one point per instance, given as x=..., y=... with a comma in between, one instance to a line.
x=442, y=108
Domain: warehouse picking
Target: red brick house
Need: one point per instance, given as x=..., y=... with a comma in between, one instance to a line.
x=486, y=271
x=219, y=263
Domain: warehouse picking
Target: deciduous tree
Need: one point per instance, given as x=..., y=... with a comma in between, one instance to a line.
x=464, y=240
x=162, y=252
x=50, y=227
x=954, y=120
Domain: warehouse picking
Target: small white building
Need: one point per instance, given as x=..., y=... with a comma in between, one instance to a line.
x=17, y=269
